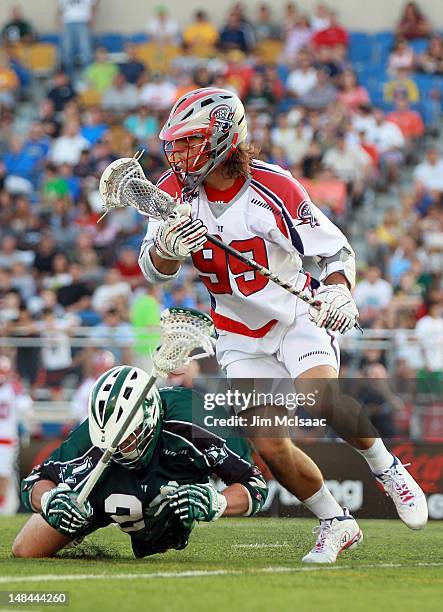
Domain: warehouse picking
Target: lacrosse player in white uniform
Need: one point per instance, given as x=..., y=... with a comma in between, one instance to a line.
x=265, y=332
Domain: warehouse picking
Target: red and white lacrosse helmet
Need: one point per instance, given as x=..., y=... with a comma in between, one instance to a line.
x=215, y=121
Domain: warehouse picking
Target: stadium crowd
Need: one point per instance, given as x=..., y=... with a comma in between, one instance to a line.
x=355, y=118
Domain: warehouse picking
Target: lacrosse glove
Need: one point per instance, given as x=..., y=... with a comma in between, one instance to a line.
x=198, y=502
x=61, y=511
x=179, y=235
x=337, y=312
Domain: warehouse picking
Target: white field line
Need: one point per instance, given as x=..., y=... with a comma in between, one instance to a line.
x=262, y=545
x=204, y=573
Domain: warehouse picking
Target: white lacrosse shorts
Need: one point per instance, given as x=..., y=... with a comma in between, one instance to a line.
x=8, y=457
x=285, y=352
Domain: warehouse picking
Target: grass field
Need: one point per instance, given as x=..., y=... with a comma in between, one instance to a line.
x=239, y=564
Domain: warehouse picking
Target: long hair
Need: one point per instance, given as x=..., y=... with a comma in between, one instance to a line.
x=239, y=164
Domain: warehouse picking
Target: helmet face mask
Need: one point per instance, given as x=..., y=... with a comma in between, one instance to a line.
x=111, y=400
x=217, y=117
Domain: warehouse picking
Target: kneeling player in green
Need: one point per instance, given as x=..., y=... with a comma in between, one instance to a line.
x=157, y=484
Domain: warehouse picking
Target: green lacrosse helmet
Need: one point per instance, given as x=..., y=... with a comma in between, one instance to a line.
x=112, y=398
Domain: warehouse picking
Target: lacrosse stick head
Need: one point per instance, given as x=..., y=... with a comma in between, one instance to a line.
x=123, y=183
x=182, y=331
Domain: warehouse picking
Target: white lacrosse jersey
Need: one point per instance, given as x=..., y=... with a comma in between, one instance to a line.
x=15, y=405
x=271, y=220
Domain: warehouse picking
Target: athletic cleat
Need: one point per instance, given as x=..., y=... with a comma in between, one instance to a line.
x=334, y=536
x=406, y=494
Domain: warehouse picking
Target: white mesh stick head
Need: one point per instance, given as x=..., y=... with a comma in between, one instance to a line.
x=182, y=330
x=123, y=183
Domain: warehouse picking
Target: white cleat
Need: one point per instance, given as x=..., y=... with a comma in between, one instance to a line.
x=334, y=536
x=406, y=494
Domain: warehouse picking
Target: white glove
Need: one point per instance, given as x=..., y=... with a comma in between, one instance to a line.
x=337, y=312
x=179, y=235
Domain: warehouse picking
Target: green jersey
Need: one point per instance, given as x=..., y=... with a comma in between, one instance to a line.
x=136, y=499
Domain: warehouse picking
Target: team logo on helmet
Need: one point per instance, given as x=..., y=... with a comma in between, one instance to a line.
x=305, y=214
x=223, y=117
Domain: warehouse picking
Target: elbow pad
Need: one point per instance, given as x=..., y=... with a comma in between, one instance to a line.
x=343, y=261
x=150, y=272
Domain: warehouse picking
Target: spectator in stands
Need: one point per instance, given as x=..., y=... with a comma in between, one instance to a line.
x=59, y=275
x=132, y=68
x=142, y=124
x=431, y=60
x=112, y=287
x=303, y=77
x=390, y=143
x=402, y=258
x=378, y=399
x=429, y=331
x=351, y=94
x=17, y=29
x=44, y=254
x=69, y=295
x=114, y=334
x=333, y=35
x=145, y=319
x=10, y=255
x=201, y=35
x=413, y=24
x=322, y=94
x=68, y=147
x=101, y=73
x=372, y=295
x=159, y=93
x=350, y=163
x=321, y=19
x=94, y=127
x=265, y=28
x=238, y=73
x=121, y=97
x=409, y=121
x=127, y=265
x=236, y=34
x=430, y=171
x=9, y=82
x=401, y=56
x=162, y=28
x=56, y=356
x=297, y=37
x=77, y=18
x=62, y=91
x=402, y=84
x=391, y=228
x=260, y=95
x=23, y=280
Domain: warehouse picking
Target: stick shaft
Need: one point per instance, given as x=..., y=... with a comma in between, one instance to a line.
x=107, y=455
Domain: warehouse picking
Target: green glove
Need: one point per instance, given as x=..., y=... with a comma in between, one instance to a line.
x=197, y=502
x=61, y=511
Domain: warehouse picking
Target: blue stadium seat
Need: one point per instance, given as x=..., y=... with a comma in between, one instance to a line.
x=50, y=37
x=370, y=75
x=360, y=47
x=111, y=40
x=419, y=45
x=137, y=38
x=383, y=43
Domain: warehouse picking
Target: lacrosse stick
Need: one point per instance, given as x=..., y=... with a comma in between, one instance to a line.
x=182, y=331
x=123, y=183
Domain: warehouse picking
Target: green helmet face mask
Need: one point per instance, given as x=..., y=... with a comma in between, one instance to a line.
x=111, y=400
